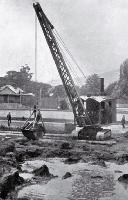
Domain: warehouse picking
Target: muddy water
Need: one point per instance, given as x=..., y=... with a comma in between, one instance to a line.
x=88, y=182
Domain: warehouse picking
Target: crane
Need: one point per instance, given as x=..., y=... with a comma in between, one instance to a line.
x=88, y=130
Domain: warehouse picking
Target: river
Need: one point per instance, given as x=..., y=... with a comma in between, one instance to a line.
x=88, y=182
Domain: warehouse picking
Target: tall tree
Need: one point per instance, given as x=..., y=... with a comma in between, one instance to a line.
x=111, y=88
x=121, y=89
x=92, y=85
x=20, y=78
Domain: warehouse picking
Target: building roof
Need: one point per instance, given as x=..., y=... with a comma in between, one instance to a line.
x=10, y=90
x=97, y=98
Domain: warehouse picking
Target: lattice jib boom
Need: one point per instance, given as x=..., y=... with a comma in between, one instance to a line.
x=79, y=111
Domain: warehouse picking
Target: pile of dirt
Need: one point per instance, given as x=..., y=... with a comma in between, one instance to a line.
x=9, y=182
x=6, y=146
x=66, y=145
x=99, y=162
x=121, y=157
x=72, y=160
x=27, y=151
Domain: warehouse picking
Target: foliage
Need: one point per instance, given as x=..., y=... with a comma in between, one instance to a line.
x=121, y=88
x=124, y=71
x=110, y=89
x=22, y=79
x=59, y=91
x=39, y=89
x=92, y=85
x=17, y=78
x=63, y=104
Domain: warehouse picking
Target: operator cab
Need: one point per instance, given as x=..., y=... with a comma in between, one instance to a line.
x=101, y=109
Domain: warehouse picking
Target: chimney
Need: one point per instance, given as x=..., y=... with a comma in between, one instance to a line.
x=101, y=86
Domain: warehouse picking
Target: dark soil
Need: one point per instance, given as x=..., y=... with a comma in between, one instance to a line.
x=13, y=152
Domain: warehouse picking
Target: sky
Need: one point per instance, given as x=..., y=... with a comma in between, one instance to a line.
x=95, y=32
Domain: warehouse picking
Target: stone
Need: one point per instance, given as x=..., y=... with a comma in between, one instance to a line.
x=123, y=178
x=42, y=171
x=67, y=175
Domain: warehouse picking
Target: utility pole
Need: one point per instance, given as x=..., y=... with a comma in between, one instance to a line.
x=35, y=48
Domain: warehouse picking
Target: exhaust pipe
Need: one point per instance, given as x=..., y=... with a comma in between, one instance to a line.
x=101, y=86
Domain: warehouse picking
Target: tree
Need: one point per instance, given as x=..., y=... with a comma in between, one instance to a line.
x=12, y=78
x=59, y=91
x=121, y=88
x=20, y=78
x=92, y=85
x=124, y=71
x=25, y=73
x=111, y=88
x=63, y=104
x=39, y=89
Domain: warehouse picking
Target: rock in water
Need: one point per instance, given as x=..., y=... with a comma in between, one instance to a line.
x=123, y=178
x=42, y=171
x=9, y=183
x=67, y=175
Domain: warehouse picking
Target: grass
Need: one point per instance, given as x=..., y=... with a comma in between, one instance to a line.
x=6, y=128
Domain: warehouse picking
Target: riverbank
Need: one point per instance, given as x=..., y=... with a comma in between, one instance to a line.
x=17, y=150
x=52, y=115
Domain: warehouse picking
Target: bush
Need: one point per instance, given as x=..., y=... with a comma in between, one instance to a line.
x=63, y=105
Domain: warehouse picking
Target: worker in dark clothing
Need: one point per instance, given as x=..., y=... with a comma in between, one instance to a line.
x=38, y=116
x=123, y=121
x=9, y=118
x=34, y=111
x=37, y=120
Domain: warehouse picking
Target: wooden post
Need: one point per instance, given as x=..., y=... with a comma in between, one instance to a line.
x=20, y=98
x=8, y=98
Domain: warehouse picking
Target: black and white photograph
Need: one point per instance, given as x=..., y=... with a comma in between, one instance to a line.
x=63, y=100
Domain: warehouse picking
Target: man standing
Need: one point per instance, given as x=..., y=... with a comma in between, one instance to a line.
x=123, y=121
x=9, y=119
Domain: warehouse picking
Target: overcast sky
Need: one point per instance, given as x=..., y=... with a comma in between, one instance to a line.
x=95, y=31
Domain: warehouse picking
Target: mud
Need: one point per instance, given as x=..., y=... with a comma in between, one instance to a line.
x=13, y=152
